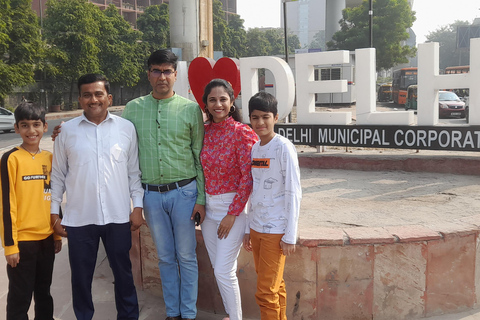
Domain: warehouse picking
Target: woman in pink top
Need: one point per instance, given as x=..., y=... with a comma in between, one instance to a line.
x=226, y=164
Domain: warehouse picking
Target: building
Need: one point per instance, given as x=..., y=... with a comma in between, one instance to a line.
x=305, y=18
x=230, y=7
x=131, y=9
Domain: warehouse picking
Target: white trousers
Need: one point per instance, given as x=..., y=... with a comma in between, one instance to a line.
x=223, y=253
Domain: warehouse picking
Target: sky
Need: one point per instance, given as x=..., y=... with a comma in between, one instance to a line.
x=431, y=14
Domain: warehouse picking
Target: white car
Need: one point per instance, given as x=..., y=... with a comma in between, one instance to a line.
x=7, y=120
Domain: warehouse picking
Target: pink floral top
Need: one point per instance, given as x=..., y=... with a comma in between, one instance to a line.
x=226, y=161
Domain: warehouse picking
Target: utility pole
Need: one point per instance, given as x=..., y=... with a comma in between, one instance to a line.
x=370, y=13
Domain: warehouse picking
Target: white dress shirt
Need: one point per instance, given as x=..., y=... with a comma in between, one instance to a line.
x=97, y=166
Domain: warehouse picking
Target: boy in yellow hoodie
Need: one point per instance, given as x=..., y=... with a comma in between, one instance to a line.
x=25, y=226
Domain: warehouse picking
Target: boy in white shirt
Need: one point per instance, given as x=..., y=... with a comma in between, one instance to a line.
x=274, y=206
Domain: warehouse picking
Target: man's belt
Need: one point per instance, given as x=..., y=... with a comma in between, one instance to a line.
x=167, y=187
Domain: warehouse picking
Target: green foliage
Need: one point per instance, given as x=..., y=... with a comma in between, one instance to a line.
x=73, y=27
x=220, y=33
x=391, y=19
x=83, y=39
x=120, y=56
x=257, y=43
x=154, y=23
x=293, y=43
x=237, y=37
x=20, y=44
x=446, y=36
x=276, y=39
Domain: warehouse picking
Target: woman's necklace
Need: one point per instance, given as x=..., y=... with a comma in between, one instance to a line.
x=32, y=154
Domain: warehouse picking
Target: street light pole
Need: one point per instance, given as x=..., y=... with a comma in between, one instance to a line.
x=370, y=13
x=285, y=29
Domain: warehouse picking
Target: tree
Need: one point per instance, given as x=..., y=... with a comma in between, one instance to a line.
x=72, y=29
x=220, y=33
x=20, y=45
x=237, y=36
x=446, y=36
x=276, y=38
x=257, y=43
x=154, y=23
x=293, y=42
x=391, y=20
x=121, y=58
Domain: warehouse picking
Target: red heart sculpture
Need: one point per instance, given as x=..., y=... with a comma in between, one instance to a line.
x=202, y=70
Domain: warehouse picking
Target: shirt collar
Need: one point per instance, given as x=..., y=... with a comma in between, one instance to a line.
x=83, y=118
x=223, y=124
x=163, y=100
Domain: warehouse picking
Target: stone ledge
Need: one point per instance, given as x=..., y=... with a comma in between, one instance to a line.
x=446, y=164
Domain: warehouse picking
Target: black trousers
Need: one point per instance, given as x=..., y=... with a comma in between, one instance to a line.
x=32, y=275
x=83, y=245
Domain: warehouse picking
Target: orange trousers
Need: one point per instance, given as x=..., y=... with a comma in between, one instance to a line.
x=269, y=261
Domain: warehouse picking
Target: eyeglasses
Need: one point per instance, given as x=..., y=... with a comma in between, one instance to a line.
x=158, y=73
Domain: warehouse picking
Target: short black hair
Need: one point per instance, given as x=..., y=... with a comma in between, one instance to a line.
x=29, y=111
x=91, y=78
x=263, y=101
x=162, y=56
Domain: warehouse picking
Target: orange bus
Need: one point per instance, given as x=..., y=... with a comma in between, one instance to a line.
x=457, y=70
x=402, y=78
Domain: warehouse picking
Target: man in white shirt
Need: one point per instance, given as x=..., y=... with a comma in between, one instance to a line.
x=96, y=163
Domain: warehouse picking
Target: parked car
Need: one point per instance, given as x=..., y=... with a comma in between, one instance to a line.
x=7, y=120
x=450, y=105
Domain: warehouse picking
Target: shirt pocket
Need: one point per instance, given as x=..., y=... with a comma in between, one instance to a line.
x=118, y=153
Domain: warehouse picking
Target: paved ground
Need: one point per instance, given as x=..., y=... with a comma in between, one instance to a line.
x=332, y=198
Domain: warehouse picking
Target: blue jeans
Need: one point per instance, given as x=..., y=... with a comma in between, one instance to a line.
x=168, y=217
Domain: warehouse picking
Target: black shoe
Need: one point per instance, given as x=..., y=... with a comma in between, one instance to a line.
x=174, y=318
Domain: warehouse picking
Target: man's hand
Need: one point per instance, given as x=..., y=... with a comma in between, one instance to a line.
x=225, y=225
x=13, y=259
x=57, y=225
x=136, y=219
x=247, y=244
x=200, y=208
x=287, y=249
x=58, y=245
x=56, y=131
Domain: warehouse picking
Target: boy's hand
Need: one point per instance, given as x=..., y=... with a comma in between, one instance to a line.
x=136, y=219
x=58, y=245
x=287, y=248
x=247, y=244
x=13, y=259
x=56, y=131
x=225, y=226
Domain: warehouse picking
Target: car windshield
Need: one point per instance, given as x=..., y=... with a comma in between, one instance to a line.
x=447, y=96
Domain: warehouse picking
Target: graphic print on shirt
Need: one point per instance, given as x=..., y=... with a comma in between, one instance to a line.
x=46, y=181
